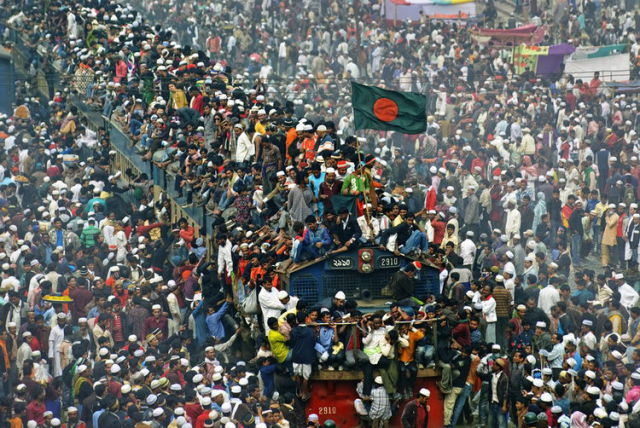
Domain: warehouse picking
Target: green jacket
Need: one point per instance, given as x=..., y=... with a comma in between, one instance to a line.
x=88, y=236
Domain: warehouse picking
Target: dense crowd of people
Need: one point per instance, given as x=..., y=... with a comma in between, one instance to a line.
x=522, y=193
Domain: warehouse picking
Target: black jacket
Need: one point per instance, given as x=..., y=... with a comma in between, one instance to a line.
x=503, y=389
x=345, y=233
x=575, y=222
x=401, y=285
x=410, y=413
x=404, y=231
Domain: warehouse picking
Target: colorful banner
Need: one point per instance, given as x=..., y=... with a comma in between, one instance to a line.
x=542, y=60
x=534, y=50
x=523, y=60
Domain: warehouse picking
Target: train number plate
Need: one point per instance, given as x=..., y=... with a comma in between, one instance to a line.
x=388, y=262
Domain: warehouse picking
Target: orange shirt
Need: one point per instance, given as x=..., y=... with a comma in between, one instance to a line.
x=7, y=362
x=308, y=147
x=65, y=306
x=407, y=354
x=472, y=377
x=255, y=272
x=242, y=264
x=292, y=134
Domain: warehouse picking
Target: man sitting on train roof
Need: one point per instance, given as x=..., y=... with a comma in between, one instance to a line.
x=313, y=242
x=410, y=238
x=345, y=231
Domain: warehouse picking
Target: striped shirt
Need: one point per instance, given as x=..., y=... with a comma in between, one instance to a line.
x=502, y=297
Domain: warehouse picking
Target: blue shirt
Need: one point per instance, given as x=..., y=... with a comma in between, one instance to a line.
x=93, y=312
x=92, y=201
x=320, y=235
x=201, y=323
x=268, y=379
x=591, y=204
x=59, y=238
x=576, y=356
x=316, y=182
x=583, y=295
x=216, y=329
x=96, y=416
x=325, y=338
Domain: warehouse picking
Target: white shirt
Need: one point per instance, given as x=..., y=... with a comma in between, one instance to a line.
x=53, y=208
x=467, y=251
x=24, y=353
x=225, y=261
x=9, y=142
x=509, y=268
x=489, y=309
x=369, y=232
x=282, y=50
x=512, y=225
x=589, y=340
x=244, y=148
x=270, y=305
x=547, y=298
x=510, y=285
x=56, y=337
x=495, y=377
x=353, y=69
x=373, y=342
x=556, y=356
x=628, y=296
x=477, y=298
x=75, y=190
x=174, y=308
x=120, y=240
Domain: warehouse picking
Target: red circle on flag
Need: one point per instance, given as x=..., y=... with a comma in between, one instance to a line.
x=385, y=109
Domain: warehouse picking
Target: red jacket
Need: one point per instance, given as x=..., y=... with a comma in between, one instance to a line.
x=201, y=419
x=430, y=199
x=462, y=334
x=619, y=231
x=197, y=104
x=35, y=412
x=187, y=234
x=438, y=231
x=121, y=71
x=153, y=323
x=193, y=410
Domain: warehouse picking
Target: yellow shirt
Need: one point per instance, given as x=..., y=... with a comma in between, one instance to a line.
x=283, y=318
x=278, y=345
x=177, y=99
x=600, y=208
x=396, y=221
x=260, y=129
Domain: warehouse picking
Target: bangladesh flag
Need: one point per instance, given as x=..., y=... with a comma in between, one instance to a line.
x=377, y=108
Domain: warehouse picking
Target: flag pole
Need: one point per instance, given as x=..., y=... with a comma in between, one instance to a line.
x=359, y=154
x=367, y=215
